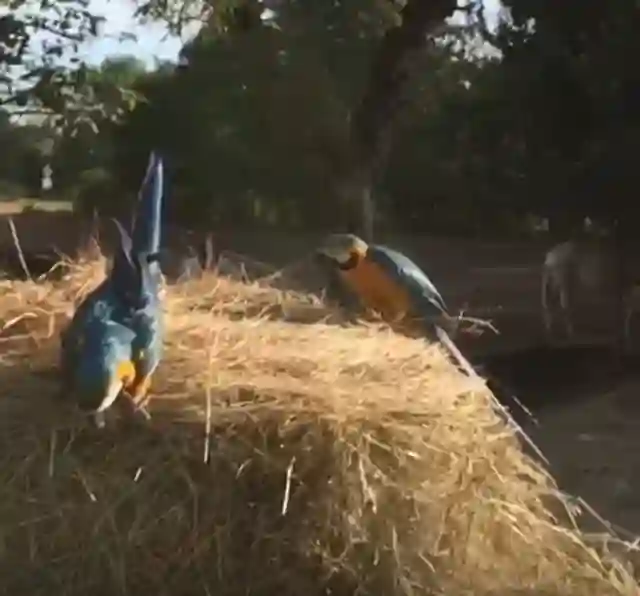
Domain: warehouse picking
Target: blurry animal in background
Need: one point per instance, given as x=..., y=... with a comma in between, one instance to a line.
x=577, y=272
x=389, y=283
x=113, y=343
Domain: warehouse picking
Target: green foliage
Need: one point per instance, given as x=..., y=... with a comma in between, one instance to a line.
x=96, y=190
x=257, y=121
x=21, y=165
x=574, y=90
x=40, y=72
x=10, y=189
x=263, y=114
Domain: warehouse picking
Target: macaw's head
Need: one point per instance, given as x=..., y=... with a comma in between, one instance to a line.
x=103, y=367
x=344, y=250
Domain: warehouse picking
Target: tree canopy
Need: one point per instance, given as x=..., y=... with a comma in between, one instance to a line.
x=298, y=114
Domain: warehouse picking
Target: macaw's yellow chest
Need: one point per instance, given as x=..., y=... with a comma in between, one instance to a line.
x=378, y=291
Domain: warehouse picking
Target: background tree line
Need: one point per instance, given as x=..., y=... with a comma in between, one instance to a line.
x=481, y=129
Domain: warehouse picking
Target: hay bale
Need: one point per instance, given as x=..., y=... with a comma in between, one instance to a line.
x=280, y=459
x=241, y=267
x=226, y=297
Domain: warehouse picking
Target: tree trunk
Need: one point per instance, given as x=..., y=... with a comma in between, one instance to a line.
x=372, y=120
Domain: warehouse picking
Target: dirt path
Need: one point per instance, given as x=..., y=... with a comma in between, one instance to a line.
x=594, y=449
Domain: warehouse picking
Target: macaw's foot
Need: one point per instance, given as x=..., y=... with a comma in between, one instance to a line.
x=140, y=393
x=131, y=409
x=141, y=407
x=143, y=413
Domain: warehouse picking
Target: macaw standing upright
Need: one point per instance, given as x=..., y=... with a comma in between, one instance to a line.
x=113, y=343
x=388, y=282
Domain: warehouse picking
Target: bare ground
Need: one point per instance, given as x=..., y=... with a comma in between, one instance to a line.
x=585, y=401
x=594, y=448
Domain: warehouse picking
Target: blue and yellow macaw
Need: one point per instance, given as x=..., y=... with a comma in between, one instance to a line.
x=389, y=283
x=114, y=341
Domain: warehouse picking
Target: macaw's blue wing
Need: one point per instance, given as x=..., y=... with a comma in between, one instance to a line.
x=95, y=309
x=146, y=348
x=139, y=308
x=72, y=337
x=425, y=297
x=96, y=353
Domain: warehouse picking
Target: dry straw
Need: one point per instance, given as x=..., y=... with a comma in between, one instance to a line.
x=286, y=456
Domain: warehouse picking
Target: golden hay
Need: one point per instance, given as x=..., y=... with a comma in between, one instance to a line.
x=281, y=459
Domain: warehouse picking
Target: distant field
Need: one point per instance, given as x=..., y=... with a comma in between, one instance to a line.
x=9, y=207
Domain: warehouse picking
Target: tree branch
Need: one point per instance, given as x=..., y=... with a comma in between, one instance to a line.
x=373, y=118
x=75, y=37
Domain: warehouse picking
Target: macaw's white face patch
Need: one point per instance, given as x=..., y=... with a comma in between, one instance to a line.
x=343, y=247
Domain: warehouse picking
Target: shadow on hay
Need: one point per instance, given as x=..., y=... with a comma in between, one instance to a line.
x=136, y=509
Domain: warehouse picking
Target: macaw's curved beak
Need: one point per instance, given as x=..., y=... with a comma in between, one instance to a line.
x=123, y=375
x=341, y=248
x=327, y=257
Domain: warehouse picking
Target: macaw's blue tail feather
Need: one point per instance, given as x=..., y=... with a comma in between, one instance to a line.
x=148, y=217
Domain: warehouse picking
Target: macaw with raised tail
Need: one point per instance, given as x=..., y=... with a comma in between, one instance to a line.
x=389, y=283
x=114, y=341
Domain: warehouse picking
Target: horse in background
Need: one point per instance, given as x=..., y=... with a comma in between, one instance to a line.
x=585, y=270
